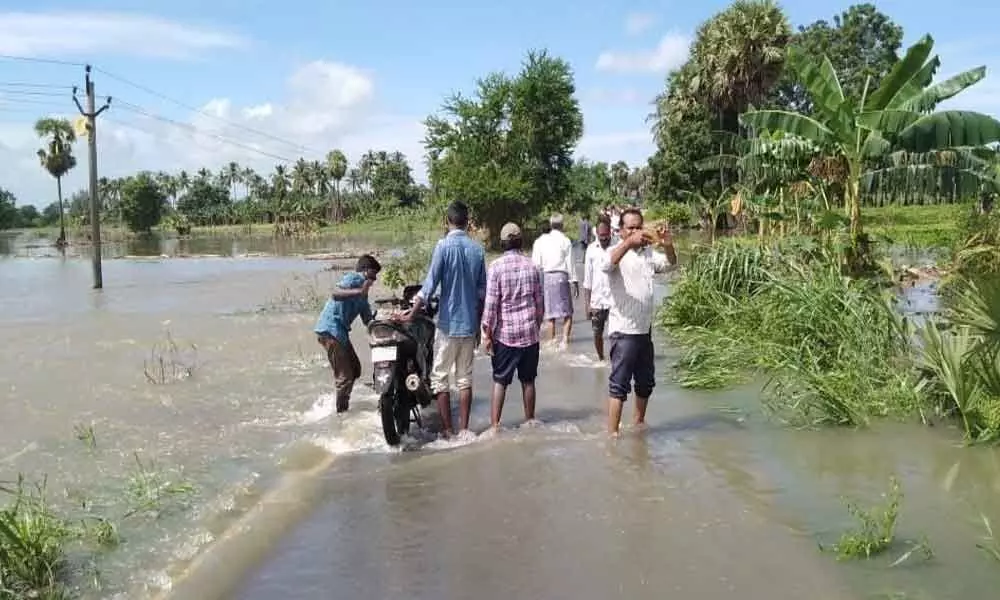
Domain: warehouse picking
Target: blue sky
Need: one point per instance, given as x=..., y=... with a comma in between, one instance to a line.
x=314, y=75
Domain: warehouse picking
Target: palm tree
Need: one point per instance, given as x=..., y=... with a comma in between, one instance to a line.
x=895, y=121
x=739, y=55
x=336, y=163
x=57, y=158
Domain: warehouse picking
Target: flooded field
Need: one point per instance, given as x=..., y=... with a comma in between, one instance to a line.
x=188, y=404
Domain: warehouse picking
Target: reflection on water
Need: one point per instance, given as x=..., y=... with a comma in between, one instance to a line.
x=41, y=244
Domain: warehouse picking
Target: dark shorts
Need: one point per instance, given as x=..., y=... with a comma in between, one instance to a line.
x=507, y=359
x=599, y=319
x=631, y=360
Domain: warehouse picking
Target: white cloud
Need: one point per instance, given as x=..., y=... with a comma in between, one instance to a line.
x=326, y=105
x=669, y=54
x=636, y=22
x=634, y=147
x=77, y=32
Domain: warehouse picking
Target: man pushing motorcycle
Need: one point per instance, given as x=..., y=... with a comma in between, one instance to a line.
x=348, y=301
x=458, y=268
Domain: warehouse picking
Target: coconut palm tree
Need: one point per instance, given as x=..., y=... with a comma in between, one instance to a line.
x=896, y=120
x=57, y=157
x=336, y=163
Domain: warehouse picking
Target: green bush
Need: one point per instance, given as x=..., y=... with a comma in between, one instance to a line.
x=832, y=347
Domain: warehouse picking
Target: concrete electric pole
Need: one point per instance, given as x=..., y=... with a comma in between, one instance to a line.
x=95, y=202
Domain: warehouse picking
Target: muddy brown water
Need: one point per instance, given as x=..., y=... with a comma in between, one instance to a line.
x=711, y=502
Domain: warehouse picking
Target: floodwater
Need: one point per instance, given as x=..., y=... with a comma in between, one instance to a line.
x=288, y=501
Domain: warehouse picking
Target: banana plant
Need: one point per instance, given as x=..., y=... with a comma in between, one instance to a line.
x=897, y=117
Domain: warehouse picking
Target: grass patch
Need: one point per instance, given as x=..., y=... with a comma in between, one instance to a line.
x=51, y=553
x=875, y=531
x=922, y=227
x=876, y=527
x=169, y=362
x=833, y=348
x=399, y=224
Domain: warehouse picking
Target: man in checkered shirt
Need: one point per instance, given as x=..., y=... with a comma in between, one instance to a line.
x=511, y=319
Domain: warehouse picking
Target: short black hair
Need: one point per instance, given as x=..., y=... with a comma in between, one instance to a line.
x=514, y=243
x=603, y=218
x=546, y=227
x=633, y=211
x=367, y=262
x=458, y=214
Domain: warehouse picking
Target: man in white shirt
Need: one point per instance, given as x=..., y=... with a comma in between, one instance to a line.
x=631, y=266
x=553, y=254
x=596, y=292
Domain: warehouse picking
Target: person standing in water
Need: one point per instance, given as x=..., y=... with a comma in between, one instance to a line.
x=585, y=231
x=512, y=314
x=596, y=292
x=553, y=254
x=348, y=302
x=458, y=268
x=630, y=266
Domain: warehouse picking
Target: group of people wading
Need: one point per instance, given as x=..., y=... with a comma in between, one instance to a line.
x=503, y=308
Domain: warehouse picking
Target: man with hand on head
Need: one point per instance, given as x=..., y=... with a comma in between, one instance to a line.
x=512, y=314
x=630, y=266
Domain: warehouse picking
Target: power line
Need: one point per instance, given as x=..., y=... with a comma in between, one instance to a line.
x=206, y=114
x=5, y=92
x=24, y=84
x=50, y=61
x=194, y=130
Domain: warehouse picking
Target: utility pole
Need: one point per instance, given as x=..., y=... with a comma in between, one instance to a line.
x=95, y=212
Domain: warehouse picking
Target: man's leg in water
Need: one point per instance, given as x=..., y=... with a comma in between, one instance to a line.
x=527, y=372
x=645, y=377
x=444, y=360
x=567, y=329
x=503, y=373
x=622, y=353
x=343, y=370
x=465, y=355
x=599, y=320
x=496, y=404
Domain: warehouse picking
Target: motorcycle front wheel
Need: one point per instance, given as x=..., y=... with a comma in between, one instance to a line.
x=395, y=417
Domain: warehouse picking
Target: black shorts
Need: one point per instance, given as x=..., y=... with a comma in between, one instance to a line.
x=599, y=319
x=631, y=360
x=507, y=359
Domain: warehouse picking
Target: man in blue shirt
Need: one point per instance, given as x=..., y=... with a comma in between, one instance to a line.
x=458, y=268
x=348, y=302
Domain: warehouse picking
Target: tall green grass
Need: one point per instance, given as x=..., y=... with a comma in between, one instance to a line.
x=833, y=349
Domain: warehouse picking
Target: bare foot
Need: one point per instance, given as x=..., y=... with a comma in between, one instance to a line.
x=640, y=426
x=465, y=436
x=531, y=424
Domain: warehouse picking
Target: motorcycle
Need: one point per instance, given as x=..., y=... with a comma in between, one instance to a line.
x=402, y=354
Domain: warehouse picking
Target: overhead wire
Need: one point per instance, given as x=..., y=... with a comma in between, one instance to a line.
x=235, y=125
x=5, y=96
x=33, y=59
x=128, y=106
